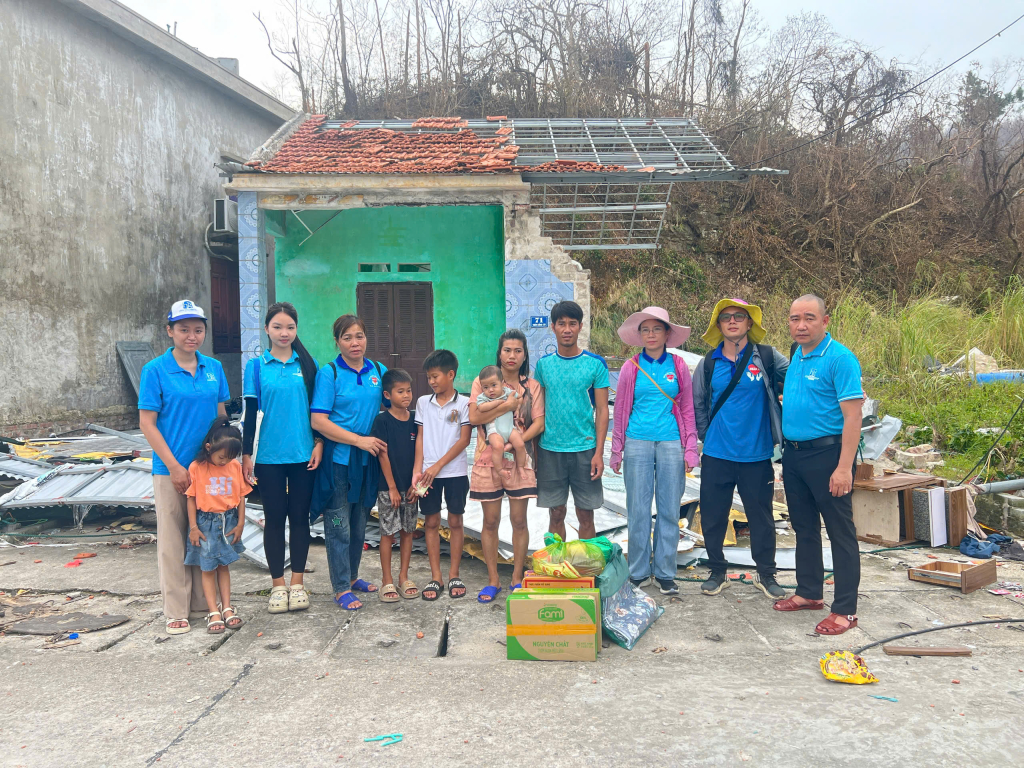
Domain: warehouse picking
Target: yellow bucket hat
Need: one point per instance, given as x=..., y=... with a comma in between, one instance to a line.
x=713, y=336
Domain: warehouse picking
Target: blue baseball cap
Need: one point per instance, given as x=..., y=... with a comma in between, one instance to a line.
x=185, y=310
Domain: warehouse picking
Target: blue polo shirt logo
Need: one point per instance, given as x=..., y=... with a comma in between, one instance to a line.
x=816, y=385
x=754, y=373
x=670, y=377
x=374, y=380
x=185, y=404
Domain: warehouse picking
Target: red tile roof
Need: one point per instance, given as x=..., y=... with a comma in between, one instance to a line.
x=379, y=150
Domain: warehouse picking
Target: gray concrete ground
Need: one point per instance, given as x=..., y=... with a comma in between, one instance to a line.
x=735, y=683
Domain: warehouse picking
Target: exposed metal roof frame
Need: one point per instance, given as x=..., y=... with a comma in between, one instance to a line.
x=669, y=149
x=596, y=183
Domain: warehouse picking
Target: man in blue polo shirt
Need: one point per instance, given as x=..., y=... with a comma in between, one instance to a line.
x=821, y=420
x=736, y=407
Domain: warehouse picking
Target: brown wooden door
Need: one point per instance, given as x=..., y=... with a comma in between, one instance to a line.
x=399, y=321
x=224, y=300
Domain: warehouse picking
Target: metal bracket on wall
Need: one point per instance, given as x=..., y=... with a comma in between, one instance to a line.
x=312, y=231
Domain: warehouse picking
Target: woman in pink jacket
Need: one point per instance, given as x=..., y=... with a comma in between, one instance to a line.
x=655, y=436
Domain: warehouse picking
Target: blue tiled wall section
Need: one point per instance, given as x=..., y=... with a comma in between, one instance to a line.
x=252, y=278
x=531, y=290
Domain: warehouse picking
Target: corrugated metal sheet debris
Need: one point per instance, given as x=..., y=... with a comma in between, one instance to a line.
x=128, y=484
x=22, y=469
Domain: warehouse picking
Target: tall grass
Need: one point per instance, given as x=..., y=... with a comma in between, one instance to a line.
x=890, y=339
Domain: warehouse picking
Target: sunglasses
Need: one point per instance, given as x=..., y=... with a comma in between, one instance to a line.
x=739, y=317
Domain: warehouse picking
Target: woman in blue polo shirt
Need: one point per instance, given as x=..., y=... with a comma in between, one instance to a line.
x=279, y=384
x=346, y=400
x=181, y=392
x=654, y=435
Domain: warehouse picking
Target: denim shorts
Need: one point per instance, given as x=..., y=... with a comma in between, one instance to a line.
x=216, y=548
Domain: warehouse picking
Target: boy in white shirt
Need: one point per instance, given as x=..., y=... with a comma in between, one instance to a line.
x=441, y=467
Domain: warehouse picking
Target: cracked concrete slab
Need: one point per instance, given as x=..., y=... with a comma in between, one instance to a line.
x=753, y=695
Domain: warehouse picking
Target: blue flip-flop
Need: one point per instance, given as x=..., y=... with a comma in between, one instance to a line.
x=489, y=592
x=514, y=587
x=346, y=600
x=361, y=585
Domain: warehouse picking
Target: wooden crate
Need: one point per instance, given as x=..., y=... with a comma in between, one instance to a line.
x=966, y=576
x=883, y=508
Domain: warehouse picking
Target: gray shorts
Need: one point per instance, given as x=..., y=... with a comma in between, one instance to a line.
x=392, y=519
x=557, y=473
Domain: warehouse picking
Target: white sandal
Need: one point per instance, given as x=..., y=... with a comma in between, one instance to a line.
x=211, y=624
x=177, y=630
x=298, y=598
x=228, y=619
x=278, y=600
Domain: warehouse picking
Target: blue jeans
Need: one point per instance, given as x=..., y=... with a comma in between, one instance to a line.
x=653, y=470
x=345, y=531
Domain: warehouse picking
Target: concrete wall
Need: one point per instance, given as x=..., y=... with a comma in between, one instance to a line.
x=106, y=180
x=463, y=244
x=537, y=272
x=569, y=280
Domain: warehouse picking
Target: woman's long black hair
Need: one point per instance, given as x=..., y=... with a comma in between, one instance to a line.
x=514, y=334
x=526, y=408
x=305, y=359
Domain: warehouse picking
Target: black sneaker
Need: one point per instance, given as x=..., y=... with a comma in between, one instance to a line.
x=716, y=583
x=641, y=584
x=769, y=586
x=668, y=587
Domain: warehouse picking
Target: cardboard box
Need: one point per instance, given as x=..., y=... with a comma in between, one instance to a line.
x=532, y=581
x=557, y=625
x=540, y=593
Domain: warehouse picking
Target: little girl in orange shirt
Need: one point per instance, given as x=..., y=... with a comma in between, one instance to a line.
x=216, y=510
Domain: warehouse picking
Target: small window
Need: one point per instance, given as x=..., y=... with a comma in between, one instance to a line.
x=375, y=267
x=414, y=267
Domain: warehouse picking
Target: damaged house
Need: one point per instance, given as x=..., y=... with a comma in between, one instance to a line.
x=443, y=232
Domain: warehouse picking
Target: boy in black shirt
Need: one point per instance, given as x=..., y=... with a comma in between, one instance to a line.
x=396, y=506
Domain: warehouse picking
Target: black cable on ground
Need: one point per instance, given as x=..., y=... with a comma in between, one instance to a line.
x=993, y=446
x=936, y=629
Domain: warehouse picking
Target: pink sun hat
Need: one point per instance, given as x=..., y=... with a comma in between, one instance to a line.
x=629, y=331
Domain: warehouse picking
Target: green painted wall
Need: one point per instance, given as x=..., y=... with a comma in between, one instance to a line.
x=464, y=245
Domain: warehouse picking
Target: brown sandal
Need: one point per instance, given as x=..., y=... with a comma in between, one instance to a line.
x=830, y=626
x=790, y=604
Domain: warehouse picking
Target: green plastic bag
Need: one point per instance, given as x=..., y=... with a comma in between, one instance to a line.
x=585, y=556
x=614, y=575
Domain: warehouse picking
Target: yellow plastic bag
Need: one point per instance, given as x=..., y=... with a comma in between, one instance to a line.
x=846, y=667
x=583, y=557
x=563, y=570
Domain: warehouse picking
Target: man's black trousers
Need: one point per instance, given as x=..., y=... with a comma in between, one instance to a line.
x=755, y=482
x=806, y=475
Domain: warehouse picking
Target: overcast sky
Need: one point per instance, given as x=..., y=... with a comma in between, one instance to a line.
x=935, y=31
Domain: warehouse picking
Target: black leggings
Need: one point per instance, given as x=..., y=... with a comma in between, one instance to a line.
x=286, y=490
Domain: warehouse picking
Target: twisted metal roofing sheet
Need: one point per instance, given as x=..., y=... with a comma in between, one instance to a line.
x=128, y=484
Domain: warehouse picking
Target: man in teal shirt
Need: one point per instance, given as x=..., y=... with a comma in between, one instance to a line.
x=571, y=452
x=821, y=418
